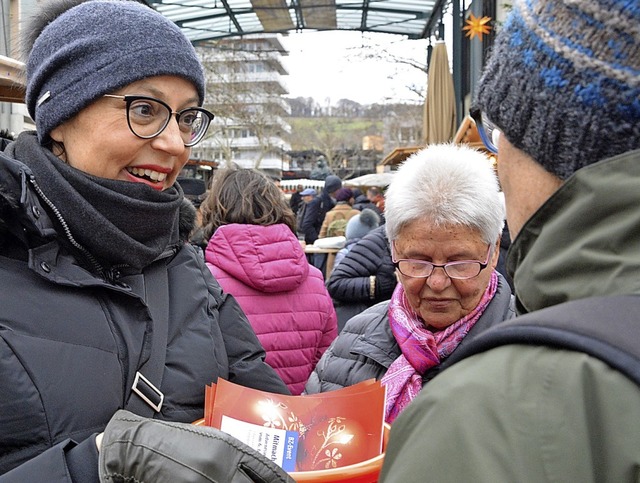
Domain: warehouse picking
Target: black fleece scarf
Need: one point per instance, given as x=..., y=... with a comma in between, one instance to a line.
x=118, y=222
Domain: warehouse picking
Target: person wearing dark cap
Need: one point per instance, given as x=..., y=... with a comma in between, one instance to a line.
x=559, y=103
x=316, y=210
x=335, y=221
x=112, y=325
x=295, y=202
x=308, y=192
x=306, y=196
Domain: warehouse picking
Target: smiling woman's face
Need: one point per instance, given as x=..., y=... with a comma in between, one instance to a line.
x=439, y=300
x=99, y=142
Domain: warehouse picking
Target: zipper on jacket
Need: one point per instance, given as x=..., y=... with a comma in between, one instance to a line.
x=67, y=231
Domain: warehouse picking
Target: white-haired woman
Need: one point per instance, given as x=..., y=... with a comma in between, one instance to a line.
x=445, y=215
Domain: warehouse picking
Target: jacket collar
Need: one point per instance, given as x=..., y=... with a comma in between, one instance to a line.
x=589, y=226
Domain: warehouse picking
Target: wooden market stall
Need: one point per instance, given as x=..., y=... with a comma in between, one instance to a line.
x=11, y=80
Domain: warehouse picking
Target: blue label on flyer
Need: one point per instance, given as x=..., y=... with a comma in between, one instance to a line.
x=290, y=451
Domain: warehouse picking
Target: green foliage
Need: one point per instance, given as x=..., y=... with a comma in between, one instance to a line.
x=341, y=132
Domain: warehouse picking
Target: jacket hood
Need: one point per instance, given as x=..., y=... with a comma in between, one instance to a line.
x=583, y=241
x=266, y=258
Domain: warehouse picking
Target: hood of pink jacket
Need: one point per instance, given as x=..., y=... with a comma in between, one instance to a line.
x=266, y=258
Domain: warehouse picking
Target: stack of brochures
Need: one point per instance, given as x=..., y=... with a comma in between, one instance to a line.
x=302, y=433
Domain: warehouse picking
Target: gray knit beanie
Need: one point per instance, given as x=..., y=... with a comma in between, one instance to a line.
x=563, y=81
x=97, y=47
x=361, y=224
x=332, y=183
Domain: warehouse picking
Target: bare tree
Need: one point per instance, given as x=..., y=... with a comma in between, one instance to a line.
x=380, y=52
x=303, y=107
x=245, y=107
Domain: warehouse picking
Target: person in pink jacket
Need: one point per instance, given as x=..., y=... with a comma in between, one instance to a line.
x=255, y=255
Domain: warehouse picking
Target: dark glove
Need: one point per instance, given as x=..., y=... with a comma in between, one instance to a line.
x=149, y=450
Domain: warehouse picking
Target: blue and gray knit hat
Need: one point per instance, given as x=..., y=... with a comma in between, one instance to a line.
x=563, y=81
x=97, y=47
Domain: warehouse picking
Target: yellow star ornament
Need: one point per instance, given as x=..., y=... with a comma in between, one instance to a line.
x=477, y=26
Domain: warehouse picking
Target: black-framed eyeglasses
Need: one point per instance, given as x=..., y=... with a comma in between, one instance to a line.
x=459, y=270
x=487, y=131
x=148, y=117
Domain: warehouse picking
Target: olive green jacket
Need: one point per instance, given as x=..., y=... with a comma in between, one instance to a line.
x=533, y=413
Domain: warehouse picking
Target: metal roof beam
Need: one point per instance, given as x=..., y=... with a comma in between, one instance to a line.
x=232, y=16
x=436, y=15
x=295, y=4
x=365, y=11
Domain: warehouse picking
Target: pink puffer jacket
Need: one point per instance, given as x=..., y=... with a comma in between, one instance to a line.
x=285, y=298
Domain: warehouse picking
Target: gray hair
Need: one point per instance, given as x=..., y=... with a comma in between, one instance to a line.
x=446, y=184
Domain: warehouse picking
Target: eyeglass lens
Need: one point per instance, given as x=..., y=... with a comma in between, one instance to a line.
x=487, y=131
x=422, y=269
x=492, y=133
x=148, y=118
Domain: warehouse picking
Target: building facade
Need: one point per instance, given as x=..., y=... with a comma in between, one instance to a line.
x=245, y=91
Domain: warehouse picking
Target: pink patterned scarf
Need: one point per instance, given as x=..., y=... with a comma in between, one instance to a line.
x=421, y=348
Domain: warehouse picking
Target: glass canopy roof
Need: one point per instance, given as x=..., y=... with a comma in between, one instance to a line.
x=203, y=20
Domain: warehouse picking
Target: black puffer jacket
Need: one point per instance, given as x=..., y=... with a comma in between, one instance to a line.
x=314, y=214
x=71, y=342
x=350, y=281
x=366, y=347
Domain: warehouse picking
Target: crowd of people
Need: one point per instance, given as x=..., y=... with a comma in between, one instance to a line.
x=496, y=305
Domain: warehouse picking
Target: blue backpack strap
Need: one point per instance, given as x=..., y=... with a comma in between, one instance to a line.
x=604, y=327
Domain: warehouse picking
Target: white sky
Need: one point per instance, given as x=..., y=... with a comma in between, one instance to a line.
x=329, y=66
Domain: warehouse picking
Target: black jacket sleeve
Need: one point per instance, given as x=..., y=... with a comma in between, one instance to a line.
x=349, y=281
x=247, y=365
x=66, y=462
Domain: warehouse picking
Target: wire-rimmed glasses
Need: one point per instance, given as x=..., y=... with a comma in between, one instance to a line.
x=459, y=270
x=148, y=117
x=487, y=131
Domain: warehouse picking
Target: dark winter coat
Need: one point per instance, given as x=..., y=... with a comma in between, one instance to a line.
x=295, y=202
x=363, y=202
x=314, y=214
x=71, y=342
x=350, y=283
x=366, y=346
